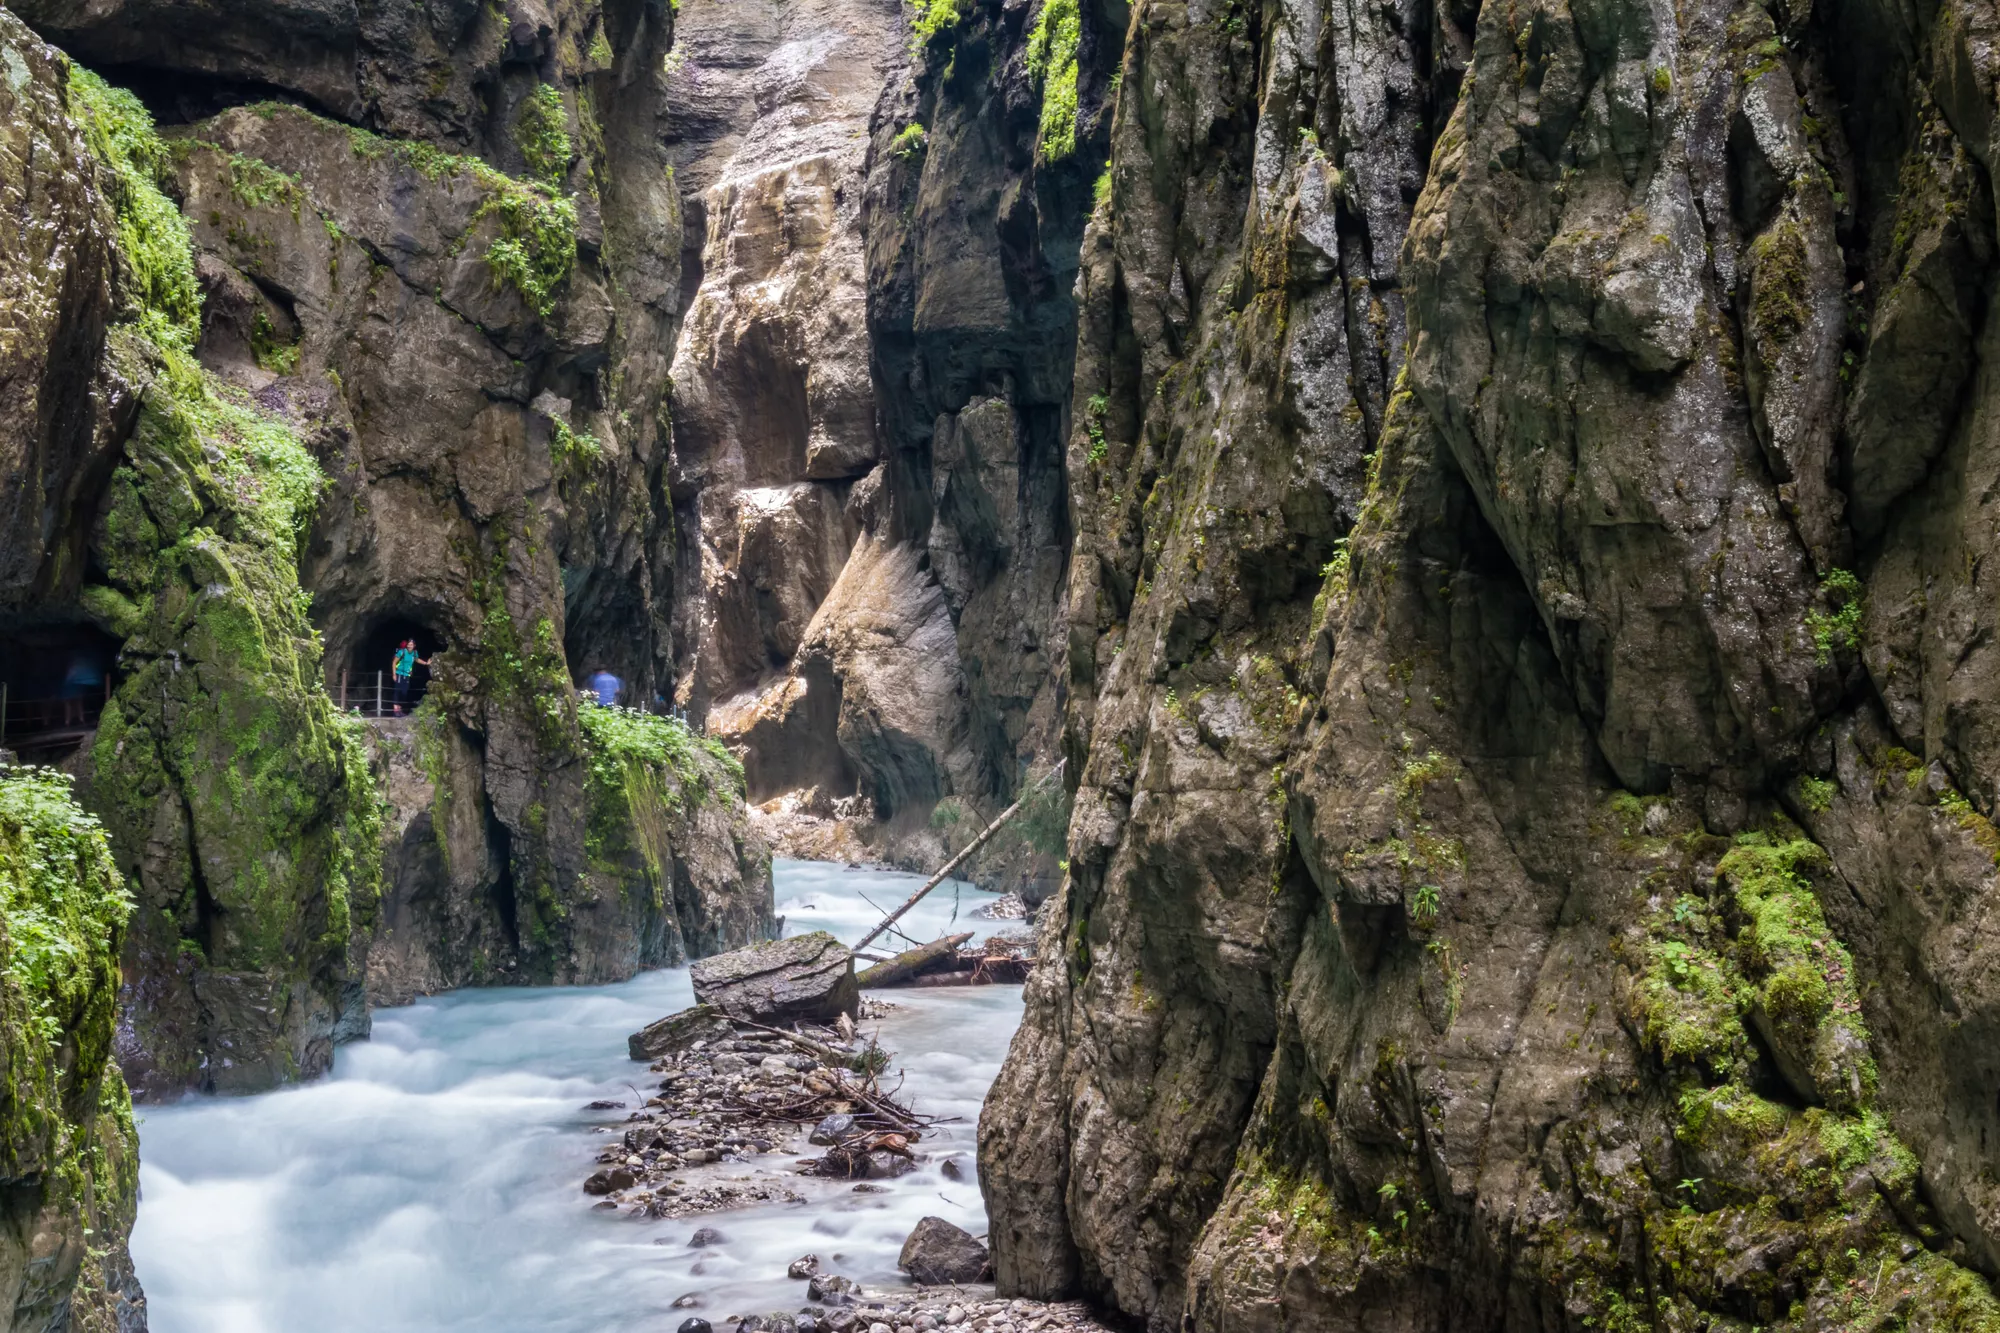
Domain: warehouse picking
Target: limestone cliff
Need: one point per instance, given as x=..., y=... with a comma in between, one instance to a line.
x=868, y=403
x=1532, y=818
x=369, y=339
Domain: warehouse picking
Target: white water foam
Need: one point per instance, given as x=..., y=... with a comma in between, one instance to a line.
x=431, y=1182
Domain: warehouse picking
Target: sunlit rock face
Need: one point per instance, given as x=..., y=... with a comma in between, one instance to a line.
x=868, y=396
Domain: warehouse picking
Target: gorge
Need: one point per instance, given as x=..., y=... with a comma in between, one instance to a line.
x=1485, y=502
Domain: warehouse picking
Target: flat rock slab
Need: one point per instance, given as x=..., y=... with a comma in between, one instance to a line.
x=938, y=1252
x=808, y=977
x=677, y=1032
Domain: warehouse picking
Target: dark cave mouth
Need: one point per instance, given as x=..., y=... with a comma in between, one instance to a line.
x=55, y=679
x=366, y=682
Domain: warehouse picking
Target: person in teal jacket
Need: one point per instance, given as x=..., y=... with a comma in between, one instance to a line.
x=402, y=667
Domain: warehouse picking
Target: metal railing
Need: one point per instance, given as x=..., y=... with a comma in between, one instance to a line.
x=40, y=724
x=376, y=696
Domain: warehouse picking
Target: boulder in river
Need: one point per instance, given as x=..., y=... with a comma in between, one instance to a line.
x=807, y=977
x=831, y=1289
x=803, y=1267
x=609, y=1179
x=831, y=1130
x=939, y=1252
x=677, y=1032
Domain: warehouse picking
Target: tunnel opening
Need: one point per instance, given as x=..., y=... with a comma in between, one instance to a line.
x=55, y=678
x=368, y=681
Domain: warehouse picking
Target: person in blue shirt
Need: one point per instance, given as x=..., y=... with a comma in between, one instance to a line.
x=606, y=687
x=403, y=667
x=84, y=681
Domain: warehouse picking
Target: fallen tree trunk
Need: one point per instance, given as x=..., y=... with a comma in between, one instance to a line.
x=912, y=962
x=953, y=864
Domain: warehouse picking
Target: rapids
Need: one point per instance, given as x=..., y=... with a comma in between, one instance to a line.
x=432, y=1180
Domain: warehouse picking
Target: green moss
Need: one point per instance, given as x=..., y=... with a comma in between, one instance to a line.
x=645, y=771
x=1807, y=976
x=62, y=902
x=1051, y=59
x=256, y=184
x=153, y=238
x=1778, y=309
x=1960, y=812
x=65, y=1114
x=1816, y=794
x=272, y=353
x=541, y=132
x=222, y=719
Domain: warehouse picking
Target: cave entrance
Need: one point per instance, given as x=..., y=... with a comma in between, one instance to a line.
x=367, y=683
x=55, y=679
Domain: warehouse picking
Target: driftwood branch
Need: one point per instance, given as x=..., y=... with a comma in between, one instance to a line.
x=985, y=835
x=910, y=962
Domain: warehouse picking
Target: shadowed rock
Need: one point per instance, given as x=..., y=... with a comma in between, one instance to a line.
x=938, y=1252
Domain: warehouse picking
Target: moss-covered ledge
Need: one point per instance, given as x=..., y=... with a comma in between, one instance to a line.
x=68, y=1150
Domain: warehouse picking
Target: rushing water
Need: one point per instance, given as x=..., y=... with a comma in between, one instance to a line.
x=431, y=1181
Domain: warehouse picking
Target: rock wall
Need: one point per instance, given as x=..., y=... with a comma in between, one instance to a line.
x=869, y=404
x=68, y=1149
x=1482, y=910
x=382, y=322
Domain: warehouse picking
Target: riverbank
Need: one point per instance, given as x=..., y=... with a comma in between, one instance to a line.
x=432, y=1182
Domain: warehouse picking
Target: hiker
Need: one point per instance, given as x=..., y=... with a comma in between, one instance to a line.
x=85, y=679
x=606, y=687
x=402, y=667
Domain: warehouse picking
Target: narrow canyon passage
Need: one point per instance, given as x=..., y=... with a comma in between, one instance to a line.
x=430, y=1182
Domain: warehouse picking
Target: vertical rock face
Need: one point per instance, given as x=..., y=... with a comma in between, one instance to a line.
x=383, y=318
x=1481, y=908
x=868, y=399
x=774, y=407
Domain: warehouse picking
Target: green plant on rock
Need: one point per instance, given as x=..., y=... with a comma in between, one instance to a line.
x=153, y=237
x=1051, y=59
x=572, y=451
x=1094, y=413
x=1424, y=906
x=536, y=250
x=272, y=352
x=1837, y=627
x=541, y=132
x=931, y=20
x=909, y=143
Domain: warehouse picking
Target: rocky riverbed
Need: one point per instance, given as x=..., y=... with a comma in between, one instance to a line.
x=432, y=1183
